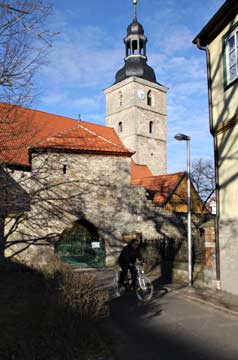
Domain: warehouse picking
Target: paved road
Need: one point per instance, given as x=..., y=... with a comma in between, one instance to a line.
x=170, y=327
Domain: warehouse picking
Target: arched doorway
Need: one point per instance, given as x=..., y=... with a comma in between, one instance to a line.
x=81, y=246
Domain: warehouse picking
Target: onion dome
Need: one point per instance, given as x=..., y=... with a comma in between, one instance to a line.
x=135, y=53
x=135, y=28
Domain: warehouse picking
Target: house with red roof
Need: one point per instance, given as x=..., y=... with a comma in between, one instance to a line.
x=170, y=192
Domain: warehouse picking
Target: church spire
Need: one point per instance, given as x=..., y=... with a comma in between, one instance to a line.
x=135, y=52
x=135, y=5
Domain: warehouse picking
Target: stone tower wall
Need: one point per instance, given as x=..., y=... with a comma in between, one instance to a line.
x=123, y=105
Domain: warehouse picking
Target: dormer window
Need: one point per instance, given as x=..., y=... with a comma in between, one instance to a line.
x=149, y=98
x=151, y=127
x=231, y=56
x=120, y=127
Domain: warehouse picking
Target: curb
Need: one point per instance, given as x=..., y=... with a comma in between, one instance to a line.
x=194, y=298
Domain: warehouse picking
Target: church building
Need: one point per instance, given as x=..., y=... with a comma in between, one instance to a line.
x=77, y=189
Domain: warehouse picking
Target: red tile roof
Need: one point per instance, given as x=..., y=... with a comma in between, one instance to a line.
x=21, y=128
x=80, y=138
x=162, y=186
x=139, y=171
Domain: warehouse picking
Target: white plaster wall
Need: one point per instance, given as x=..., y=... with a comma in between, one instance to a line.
x=225, y=101
x=225, y=110
x=228, y=208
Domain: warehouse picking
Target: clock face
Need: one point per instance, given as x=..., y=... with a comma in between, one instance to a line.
x=140, y=94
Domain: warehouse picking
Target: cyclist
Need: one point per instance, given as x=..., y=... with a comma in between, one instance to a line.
x=127, y=260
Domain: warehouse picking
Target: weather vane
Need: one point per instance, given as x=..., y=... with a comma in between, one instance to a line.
x=135, y=3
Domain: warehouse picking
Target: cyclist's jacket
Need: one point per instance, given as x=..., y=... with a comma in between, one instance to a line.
x=129, y=255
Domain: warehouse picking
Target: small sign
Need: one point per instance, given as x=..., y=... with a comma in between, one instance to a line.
x=95, y=245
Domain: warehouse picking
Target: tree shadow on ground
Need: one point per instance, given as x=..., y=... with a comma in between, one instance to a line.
x=156, y=330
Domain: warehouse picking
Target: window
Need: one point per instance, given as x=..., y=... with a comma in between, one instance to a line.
x=135, y=49
x=120, y=98
x=142, y=48
x=151, y=127
x=120, y=127
x=149, y=98
x=231, y=56
x=64, y=169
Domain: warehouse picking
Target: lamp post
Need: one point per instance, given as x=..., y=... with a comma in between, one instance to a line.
x=182, y=137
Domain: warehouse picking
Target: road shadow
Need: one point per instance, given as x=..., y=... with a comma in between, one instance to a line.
x=151, y=330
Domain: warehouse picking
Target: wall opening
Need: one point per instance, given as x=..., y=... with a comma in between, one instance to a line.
x=81, y=246
x=120, y=98
x=120, y=128
x=135, y=48
x=149, y=98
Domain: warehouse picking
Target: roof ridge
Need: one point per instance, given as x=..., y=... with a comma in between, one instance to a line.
x=104, y=139
x=90, y=123
x=176, y=173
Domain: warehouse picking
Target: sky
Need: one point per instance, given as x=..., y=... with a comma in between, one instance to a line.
x=89, y=50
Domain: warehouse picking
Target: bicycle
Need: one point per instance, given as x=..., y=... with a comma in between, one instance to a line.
x=144, y=288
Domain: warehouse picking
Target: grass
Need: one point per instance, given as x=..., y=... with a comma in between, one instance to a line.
x=42, y=317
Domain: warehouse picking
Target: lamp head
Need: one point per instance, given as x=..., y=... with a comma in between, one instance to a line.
x=181, y=137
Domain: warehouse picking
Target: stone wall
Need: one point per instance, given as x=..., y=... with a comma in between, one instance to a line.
x=94, y=188
x=66, y=188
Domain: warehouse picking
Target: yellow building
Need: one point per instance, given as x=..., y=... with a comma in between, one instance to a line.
x=219, y=38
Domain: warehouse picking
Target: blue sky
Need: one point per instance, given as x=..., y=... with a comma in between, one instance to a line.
x=89, y=50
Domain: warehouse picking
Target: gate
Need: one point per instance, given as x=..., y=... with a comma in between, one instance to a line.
x=81, y=246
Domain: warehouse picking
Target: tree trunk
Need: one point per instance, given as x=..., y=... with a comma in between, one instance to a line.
x=2, y=239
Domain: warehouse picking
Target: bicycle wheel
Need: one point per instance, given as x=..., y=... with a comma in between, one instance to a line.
x=118, y=289
x=144, y=289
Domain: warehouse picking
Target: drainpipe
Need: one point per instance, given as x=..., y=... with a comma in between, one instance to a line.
x=212, y=131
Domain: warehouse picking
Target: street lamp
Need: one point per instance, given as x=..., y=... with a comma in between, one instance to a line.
x=182, y=137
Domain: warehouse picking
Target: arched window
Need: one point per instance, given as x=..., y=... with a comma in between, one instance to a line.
x=149, y=98
x=120, y=98
x=151, y=127
x=142, y=49
x=120, y=127
x=135, y=49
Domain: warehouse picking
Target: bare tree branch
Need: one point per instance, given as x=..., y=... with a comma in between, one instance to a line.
x=203, y=177
x=24, y=43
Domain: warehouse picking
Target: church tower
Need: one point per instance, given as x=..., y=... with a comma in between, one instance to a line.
x=136, y=104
